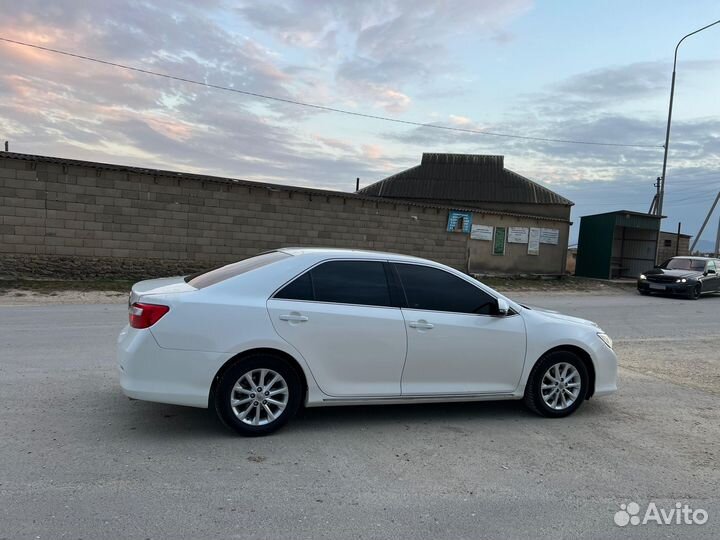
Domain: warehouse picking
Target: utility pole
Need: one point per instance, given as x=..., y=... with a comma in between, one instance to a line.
x=653, y=204
x=677, y=240
x=707, y=218
x=661, y=193
x=717, y=240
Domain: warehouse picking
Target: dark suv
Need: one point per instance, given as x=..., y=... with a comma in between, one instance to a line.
x=687, y=276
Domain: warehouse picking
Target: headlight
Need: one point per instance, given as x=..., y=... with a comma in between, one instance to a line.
x=606, y=339
x=643, y=276
x=683, y=280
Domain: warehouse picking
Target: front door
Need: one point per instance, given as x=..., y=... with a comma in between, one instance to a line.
x=339, y=316
x=457, y=343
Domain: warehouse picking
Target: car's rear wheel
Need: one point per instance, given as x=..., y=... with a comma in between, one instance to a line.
x=258, y=395
x=695, y=292
x=558, y=384
x=644, y=293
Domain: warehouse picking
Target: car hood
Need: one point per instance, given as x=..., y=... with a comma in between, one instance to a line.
x=673, y=273
x=549, y=314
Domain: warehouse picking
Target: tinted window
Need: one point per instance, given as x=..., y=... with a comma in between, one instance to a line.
x=298, y=289
x=342, y=282
x=217, y=275
x=437, y=290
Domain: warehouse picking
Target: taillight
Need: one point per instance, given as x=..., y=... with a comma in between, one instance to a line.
x=145, y=315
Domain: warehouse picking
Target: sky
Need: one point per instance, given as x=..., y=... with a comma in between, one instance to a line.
x=590, y=71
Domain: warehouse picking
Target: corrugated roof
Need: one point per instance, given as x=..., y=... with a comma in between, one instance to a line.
x=463, y=177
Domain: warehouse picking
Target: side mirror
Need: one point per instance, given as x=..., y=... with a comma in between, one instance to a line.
x=502, y=306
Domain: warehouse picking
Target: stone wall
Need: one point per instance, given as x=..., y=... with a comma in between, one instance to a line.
x=78, y=220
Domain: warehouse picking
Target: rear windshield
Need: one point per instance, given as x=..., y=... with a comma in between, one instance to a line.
x=211, y=277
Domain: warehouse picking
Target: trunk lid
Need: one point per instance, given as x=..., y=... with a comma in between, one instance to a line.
x=149, y=287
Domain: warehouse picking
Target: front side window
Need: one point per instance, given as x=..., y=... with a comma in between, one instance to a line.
x=341, y=282
x=436, y=290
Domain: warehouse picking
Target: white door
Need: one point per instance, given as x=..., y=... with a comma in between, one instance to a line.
x=338, y=315
x=456, y=343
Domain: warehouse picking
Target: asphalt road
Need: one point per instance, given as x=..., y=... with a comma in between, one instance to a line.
x=79, y=460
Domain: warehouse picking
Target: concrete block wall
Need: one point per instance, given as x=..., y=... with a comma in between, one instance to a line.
x=66, y=219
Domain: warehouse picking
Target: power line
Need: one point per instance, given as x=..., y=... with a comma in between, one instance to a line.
x=321, y=107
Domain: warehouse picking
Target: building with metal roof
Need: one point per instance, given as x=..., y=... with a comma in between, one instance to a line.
x=497, y=242
x=478, y=181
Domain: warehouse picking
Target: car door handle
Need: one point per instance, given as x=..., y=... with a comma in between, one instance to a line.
x=421, y=325
x=293, y=317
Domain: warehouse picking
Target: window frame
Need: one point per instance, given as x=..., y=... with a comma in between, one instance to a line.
x=395, y=298
x=393, y=266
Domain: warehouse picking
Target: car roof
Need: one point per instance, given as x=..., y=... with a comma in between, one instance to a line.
x=694, y=257
x=352, y=254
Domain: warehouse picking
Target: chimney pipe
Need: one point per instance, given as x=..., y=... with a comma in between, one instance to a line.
x=7, y=146
x=357, y=183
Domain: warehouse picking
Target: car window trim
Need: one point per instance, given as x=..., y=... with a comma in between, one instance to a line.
x=384, y=262
x=481, y=289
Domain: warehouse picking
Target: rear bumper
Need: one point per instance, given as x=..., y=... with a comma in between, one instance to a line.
x=151, y=373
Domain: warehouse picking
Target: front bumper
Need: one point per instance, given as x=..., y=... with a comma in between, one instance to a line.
x=667, y=288
x=606, y=370
x=151, y=373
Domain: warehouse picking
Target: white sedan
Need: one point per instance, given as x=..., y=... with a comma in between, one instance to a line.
x=260, y=338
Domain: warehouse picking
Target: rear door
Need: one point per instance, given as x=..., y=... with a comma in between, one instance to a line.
x=339, y=315
x=456, y=342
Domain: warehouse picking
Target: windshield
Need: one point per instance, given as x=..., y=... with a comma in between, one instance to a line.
x=697, y=265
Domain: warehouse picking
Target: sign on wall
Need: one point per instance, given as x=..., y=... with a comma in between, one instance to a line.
x=499, y=241
x=549, y=236
x=459, y=221
x=517, y=235
x=534, y=242
x=481, y=232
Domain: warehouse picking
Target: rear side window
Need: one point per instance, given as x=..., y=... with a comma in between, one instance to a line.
x=342, y=282
x=436, y=290
x=205, y=279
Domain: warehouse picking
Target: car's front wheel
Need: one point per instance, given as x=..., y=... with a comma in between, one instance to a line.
x=558, y=384
x=258, y=395
x=695, y=292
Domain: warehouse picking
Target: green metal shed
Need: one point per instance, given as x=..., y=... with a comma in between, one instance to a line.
x=617, y=244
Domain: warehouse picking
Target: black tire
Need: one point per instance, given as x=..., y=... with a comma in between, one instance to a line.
x=644, y=293
x=533, y=392
x=695, y=292
x=225, y=390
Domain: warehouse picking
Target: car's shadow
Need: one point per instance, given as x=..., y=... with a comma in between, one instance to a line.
x=156, y=420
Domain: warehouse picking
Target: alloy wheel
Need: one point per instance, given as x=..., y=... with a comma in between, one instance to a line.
x=560, y=386
x=259, y=397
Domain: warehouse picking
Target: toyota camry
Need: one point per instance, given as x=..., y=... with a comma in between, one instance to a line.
x=305, y=327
